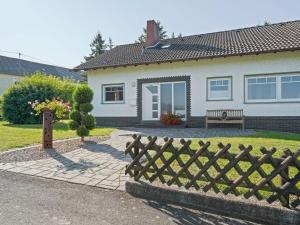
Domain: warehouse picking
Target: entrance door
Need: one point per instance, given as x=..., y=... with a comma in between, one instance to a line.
x=160, y=98
x=150, y=99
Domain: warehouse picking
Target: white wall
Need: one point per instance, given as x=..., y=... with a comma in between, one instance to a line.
x=237, y=67
x=6, y=81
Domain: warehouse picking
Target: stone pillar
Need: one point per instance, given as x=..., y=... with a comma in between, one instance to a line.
x=48, y=118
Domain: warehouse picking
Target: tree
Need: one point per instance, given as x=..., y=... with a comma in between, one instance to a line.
x=161, y=31
x=98, y=46
x=174, y=36
x=110, y=43
x=82, y=121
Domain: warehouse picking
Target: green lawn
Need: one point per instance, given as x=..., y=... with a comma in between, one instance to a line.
x=267, y=139
x=13, y=136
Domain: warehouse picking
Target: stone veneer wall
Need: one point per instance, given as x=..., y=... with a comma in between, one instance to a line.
x=278, y=123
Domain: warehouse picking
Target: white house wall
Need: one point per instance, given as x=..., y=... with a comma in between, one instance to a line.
x=6, y=81
x=199, y=71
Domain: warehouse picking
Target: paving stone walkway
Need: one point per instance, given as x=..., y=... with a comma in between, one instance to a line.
x=102, y=164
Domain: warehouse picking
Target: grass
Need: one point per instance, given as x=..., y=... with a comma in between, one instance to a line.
x=267, y=139
x=14, y=136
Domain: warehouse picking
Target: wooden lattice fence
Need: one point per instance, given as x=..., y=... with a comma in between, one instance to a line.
x=265, y=176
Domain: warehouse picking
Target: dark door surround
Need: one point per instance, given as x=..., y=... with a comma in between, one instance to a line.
x=140, y=82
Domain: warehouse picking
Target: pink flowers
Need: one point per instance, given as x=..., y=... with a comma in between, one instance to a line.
x=57, y=105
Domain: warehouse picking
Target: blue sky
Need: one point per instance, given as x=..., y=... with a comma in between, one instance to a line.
x=60, y=31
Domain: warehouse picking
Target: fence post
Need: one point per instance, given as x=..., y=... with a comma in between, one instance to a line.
x=283, y=180
x=135, y=152
x=48, y=117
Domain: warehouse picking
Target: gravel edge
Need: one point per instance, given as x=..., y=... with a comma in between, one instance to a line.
x=35, y=152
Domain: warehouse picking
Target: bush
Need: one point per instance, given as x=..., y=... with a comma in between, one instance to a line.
x=82, y=120
x=35, y=87
x=1, y=107
x=75, y=115
x=73, y=125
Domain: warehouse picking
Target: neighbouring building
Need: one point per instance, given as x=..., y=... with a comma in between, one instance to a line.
x=256, y=69
x=12, y=69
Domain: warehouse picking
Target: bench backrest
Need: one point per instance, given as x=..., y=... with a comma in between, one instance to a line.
x=231, y=113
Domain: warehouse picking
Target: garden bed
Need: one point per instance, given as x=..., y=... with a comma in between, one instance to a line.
x=36, y=152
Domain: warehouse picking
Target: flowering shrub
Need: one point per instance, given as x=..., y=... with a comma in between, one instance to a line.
x=170, y=119
x=34, y=87
x=57, y=105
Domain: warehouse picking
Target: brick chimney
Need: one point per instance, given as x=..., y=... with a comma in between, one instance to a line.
x=152, y=33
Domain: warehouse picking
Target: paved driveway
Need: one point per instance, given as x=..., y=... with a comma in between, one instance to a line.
x=102, y=164
x=35, y=201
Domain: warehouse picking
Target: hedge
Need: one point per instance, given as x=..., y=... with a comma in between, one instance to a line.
x=35, y=87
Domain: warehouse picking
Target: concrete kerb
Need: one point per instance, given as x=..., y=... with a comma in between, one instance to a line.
x=232, y=207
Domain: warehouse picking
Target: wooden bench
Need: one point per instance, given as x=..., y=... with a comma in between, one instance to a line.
x=225, y=116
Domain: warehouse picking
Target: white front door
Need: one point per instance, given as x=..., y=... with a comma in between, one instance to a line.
x=160, y=98
x=150, y=99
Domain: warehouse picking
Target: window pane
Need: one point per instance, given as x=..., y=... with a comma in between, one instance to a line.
x=154, y=98
x=290, y=90
x=296, y=78
x=252, y=81
x=154, y=114
x=179, y=99
x=166, y=98
x=219, y=88
x=219, y=91
x=285, y=79
x=261, y=80
x=262, y=91
x=115, y=93
x=154, y=106
x=109, y=96
x=120, y=96
x=271, y=79
x=153, y=89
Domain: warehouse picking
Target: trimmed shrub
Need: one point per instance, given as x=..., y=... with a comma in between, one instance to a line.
x=89, y=121
x=82, y=131
x=82, y=122
x=38, y=87
x=73, y=125
x=86, y=107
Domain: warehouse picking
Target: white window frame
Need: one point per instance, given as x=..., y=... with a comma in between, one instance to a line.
x=278, y=95
x=227, y=98
x=104, y=86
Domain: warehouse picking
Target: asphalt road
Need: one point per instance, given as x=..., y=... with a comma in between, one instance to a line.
x=30, y=200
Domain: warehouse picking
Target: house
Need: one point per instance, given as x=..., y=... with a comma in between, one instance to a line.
x=256, y=69
x=12, y=69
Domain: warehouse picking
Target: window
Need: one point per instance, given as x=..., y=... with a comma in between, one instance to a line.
x=290, y=87
x=272, y=88
x=219, y=89
x=113, y=93
x=261, y=88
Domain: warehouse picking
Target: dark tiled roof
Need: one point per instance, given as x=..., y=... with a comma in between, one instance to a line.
x=253, y=40
x=20, y=67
